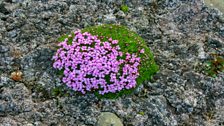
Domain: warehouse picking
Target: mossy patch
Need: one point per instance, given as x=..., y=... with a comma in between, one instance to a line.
x=215, y=65
x=124, y=8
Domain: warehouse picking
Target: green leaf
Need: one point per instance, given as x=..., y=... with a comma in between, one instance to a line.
x=62, y=38
x=60, y=72
x=70, y=41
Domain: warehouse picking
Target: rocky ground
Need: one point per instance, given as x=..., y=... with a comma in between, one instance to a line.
x=181, y=33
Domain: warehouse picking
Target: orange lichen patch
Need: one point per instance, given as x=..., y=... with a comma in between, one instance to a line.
x=16, y=76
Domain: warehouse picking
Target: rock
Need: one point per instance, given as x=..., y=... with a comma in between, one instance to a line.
x=219, y=4
x=5, y=81
x=17, y=1
x=201, y=52
x=72, y=8
x=8, y=122
x=2, y=111
x=3, y=48
x=214, y=43
x=108, y=119
x=179, y=33
x=120, y=14
x=3, y=9
x=221, y=18
x=12, y=34
x=110, y=18
x=19, y=13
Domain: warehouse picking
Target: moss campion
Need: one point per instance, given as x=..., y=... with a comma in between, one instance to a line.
x=90, y=64
x=105, y=59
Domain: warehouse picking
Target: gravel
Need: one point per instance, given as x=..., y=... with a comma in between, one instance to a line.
x=181, y=34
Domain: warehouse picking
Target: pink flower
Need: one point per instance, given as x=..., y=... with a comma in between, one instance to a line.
x=142, y=51
x=114, y=42
x=86, y=68
x=110, y=39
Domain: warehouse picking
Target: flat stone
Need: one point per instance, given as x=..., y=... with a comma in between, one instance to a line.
x=108, y=119
x=219, y=4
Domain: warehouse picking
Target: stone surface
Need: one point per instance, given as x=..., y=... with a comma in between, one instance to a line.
x=108, y=119
x=219, y=4
x=181, y=34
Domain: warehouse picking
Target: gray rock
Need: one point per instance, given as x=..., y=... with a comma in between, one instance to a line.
x=108, y=119
x=110, y=18
x=4, y=48
x=201, y=53
x=12, y=34
x=17, y=1
x=3, y=9
x=120, y=14
x=19, y=13
x=181, y=35
x=5, y=81
x=8, y=122
x=214, y=43
x=2, y=111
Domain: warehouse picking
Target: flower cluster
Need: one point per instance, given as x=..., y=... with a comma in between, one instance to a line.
x=90, y=64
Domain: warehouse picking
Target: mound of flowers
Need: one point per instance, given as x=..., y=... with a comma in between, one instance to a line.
x=92, y=65
x=109, y=60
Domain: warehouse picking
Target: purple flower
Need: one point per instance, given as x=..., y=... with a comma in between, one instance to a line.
x=114, y=42
x=142, y=51
x=87, y=68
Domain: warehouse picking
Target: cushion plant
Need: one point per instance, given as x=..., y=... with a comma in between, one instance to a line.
x=109, y=60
